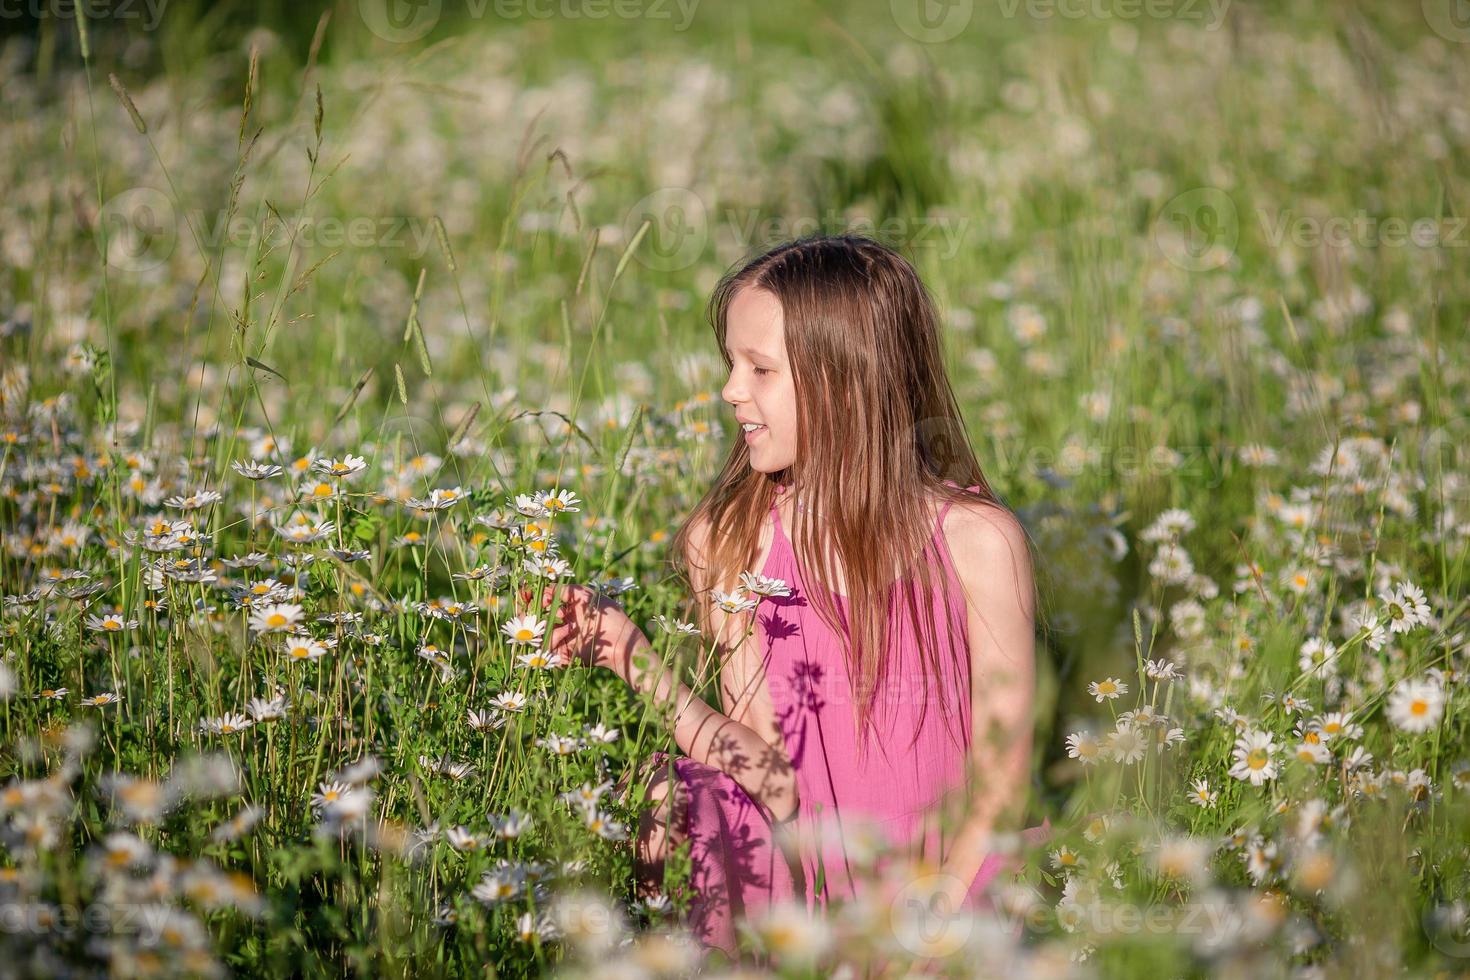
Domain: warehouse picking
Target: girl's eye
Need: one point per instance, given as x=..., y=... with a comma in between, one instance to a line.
x=764, y=371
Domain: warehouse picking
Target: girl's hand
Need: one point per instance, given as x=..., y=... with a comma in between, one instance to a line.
x=590, y=628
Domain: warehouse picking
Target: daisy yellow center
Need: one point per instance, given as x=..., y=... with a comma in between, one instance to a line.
x=275, y=619
x=1418, y=707
x=1257, y=759
x=322, y=490
x=111, y=624
x=1107, y=687
x=524, y=634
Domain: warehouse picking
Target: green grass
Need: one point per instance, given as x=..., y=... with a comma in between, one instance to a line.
x=1031, y=169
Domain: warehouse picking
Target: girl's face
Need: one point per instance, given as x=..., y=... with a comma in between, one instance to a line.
x=760, y=386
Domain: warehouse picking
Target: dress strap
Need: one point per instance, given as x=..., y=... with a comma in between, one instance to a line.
x=945, y=509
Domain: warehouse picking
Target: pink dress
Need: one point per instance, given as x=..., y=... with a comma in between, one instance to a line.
x=738, y=869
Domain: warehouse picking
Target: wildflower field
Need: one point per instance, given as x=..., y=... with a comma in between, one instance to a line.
x=326, y=344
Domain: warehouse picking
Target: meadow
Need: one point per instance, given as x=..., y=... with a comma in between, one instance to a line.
x=326, y=343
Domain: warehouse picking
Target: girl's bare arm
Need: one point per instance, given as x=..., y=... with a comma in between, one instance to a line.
x=709, y=736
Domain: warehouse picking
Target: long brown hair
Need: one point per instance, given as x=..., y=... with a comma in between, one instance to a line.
x=878, y=432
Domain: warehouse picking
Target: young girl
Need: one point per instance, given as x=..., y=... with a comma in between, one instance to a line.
x=875, y=676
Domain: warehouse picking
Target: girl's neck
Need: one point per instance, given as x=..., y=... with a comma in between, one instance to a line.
x=789, y=494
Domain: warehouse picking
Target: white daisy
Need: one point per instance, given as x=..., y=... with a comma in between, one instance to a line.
x=347, y=466
x=763, y=585
x=1415, y=705
x=509, y=701
x=1201, y=795
x=1407, y=607
x=524, y=630
x=254, y=470
x=275, y=618
x=1109, y=688
x=732, y=602
x=1083, y=747
x=560, y=502
x=1253, y=759
x=304, y=648
x=1127, y=744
